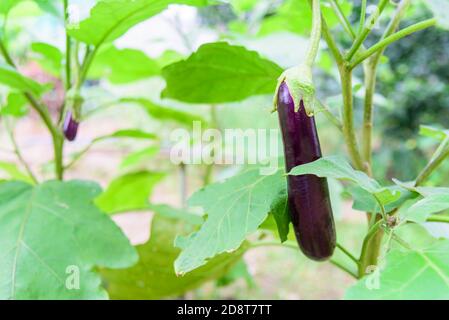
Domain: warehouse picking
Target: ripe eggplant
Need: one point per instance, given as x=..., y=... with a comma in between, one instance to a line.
x=70, y=127
x=308, y=195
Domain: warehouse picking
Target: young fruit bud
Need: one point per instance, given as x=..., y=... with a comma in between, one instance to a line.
x=70, y=127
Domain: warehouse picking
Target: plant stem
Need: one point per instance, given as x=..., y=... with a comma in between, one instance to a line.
x=370, y=70
x=347, y=253
x=437, y=159
x=315, y=36
x=362, y=17
x=329, y=115
x=348, y=121
x=366, y=30
x=392, y=38
x=19, y=153
x=331, y=43
x=45, y=116
x=68, y=48
x=294, y=246
x=370, y=248
x=343, y=19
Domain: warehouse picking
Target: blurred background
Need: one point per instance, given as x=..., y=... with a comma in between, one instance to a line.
x=412, y=90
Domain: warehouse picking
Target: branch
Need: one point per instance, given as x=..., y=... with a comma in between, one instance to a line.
x=437, y=159
x=366, y=30
x=392, y=38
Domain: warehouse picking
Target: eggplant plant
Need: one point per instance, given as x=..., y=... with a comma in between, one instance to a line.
x=58, y=238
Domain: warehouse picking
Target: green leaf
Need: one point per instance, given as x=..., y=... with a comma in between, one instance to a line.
x=7, y=5
x=139, y=156
x=154, y=277
x=432, y=132
x=364, y=201
x=49, y=57
x=338, y=168
x=421, y=210
x=110, y=19
x=440, y=9
x=129, y=192
x=280, y=213
x=164, y=113
x=238, y=271
x=296, y=16
x=419, y=273
x=174, y=213
x=220, y=72
x=12, y=78
x=16, y=105
x=14, y=173
x=129, y=133
x=49, y=233
x=121, y=66
x=235, y=208
x=243, y=5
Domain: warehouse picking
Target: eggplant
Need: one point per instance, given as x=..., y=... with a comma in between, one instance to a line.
x=70, y=127
x=308, y=195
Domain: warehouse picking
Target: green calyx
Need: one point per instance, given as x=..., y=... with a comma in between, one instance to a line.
x=74, y=103
x=300, y=85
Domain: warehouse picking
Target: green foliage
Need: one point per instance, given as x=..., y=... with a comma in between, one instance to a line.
x=14, y=173
x=138, y=157
x=50, y=229
x=100, y=27
x=163, y=113
x=296, y=16
x=338, y=168
x=11, y=78
x=121, y=66
x=16, y=105
x=408, y=272
x=129, y=192
x=154, y=277
x=49, y=57
x=220, y=72
x=235, y=208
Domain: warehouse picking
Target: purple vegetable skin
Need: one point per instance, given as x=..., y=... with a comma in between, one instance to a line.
x=70, y=127
x=308, y=195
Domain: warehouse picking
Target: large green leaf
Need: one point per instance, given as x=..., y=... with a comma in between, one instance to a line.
x=16, y=105
x=364, y=201
x=296, y=16
x=235, y=208
x=14, y=173
x=139, y=157
x=154, y=277
x=110, y=19
x=123, y=65
x=422, y=209
x=51, y=232
x=338, y=168
x=12, y=78
x=129, y=192
x=418, y=273
x=48, y=56
x=220, y=72
x=165, y=113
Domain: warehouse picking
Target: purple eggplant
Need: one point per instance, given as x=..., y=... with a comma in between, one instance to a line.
x=70, y=127
x=308, y=195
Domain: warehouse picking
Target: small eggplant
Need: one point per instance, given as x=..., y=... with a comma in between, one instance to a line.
x=308, y=195
x=70, y=127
